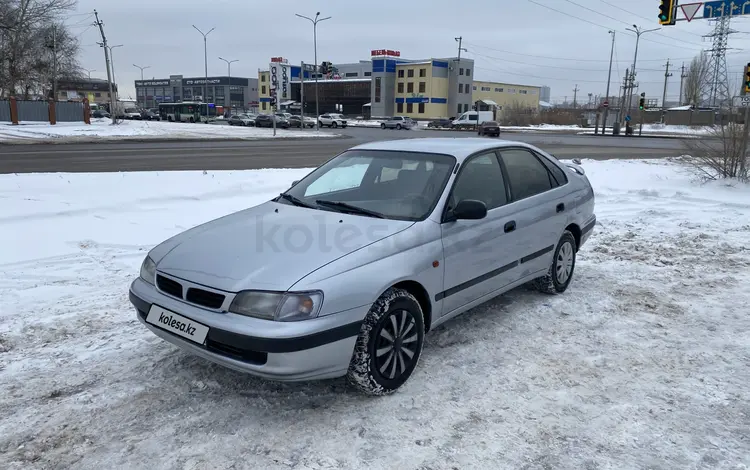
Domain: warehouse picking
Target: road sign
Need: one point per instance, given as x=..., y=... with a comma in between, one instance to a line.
x=690, y=9
x=719, y=8
x=605, y=104
x=627, y=118
x=742, y=101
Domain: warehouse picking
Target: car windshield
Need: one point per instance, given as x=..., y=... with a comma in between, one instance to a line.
x=396, y=185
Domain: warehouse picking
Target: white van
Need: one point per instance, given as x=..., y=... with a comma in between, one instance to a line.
x=473, y=118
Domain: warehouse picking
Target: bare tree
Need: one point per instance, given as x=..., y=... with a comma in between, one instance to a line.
x=26, y=26
x=719, y=155
x=697, y=79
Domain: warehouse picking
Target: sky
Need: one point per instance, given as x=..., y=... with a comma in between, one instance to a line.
x=562, y=44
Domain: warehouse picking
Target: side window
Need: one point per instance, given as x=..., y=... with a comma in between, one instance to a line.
x=481, y=178
x=557, y=173
x=526, y=174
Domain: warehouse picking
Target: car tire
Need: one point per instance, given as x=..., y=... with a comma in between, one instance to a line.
x=560, y=273
x=335, y=124
x=396, y=311
x=398, y=127
x=382, y=126
x=192, y=120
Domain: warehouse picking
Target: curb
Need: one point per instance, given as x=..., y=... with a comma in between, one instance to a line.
x=142, y=140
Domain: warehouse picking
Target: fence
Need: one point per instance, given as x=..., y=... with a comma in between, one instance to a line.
x=4, y=111
x=33, y=111
x=14, y=110
x=68, y=111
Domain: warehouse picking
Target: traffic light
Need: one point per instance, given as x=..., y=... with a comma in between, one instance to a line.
x=666, y=12
x=642, y=103
x=746, y=82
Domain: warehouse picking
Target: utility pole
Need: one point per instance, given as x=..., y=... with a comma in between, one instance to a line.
x=315, y=47
x=638, y=32
x=229, y=73
x=623, y=112
x=302, y=94
x=664, y=96
x=575, y=95
x=460, y=41
x=683, y=75
x=54, y=62
x=106, y=59
x=609, y=80
x=205, y=63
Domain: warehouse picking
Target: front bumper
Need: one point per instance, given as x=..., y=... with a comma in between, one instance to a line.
x=320, y=348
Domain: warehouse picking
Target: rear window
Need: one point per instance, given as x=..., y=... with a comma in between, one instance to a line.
x=491, y=123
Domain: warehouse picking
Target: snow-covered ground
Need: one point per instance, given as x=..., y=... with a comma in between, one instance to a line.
x=643, y=363
x=665, y=130
x=102, y=129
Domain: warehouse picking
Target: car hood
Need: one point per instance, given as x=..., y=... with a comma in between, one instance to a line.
x=267, y=247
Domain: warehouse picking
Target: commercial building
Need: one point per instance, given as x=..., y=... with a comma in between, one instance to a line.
x=504, y=97
x=96, y=90
x=388, y=85
x=240, y=93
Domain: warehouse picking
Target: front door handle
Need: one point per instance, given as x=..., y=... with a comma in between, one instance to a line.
x=510, y=226
x=560, y=207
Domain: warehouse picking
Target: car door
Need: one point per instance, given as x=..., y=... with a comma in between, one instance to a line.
x=540, y=205
x=479, y=255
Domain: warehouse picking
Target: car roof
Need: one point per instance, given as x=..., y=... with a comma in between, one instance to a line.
x=459, y=147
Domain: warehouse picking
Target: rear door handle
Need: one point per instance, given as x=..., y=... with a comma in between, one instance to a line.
x=560, y=207
x=510, y=226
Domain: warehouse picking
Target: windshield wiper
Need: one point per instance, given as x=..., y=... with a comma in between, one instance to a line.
x=350, y=208
x=296, y=201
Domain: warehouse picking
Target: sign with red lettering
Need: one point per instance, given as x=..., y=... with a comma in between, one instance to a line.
x=384, y=52
x=278, y=59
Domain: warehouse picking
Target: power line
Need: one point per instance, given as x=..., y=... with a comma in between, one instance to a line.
x=602, y=26
x=643, y=17
x=547, y=78
x=572, y=59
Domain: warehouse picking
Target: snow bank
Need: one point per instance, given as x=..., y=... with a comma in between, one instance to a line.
x=101, y=129
x=641, y=364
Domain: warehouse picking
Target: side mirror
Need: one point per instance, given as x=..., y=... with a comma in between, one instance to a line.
x=470, y=209
x=577, y=161
x=294, y=183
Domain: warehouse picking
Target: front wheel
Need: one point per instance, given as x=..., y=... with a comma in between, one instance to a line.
x=382, y=126
x=335, y=124
x=389, y=344
x=398, y=127
x=558, y=278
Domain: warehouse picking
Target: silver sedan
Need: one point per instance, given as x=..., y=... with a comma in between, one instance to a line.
x=346, y=271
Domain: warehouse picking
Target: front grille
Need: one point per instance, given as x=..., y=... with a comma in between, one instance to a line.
x=204, y=298
x=169, y=286
x=245, y=355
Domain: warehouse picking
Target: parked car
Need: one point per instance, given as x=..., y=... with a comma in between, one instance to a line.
x=266, y=120
x=489, y=128
x=398, y=122
x=132, y=113
x=298, y=121
x=241, y=120
x=332, y=120
x=441, y=124
x=149, y=115
x=426, y=243
x=100, y=113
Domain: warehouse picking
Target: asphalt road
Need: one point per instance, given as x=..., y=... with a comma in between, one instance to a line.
x=289, y=153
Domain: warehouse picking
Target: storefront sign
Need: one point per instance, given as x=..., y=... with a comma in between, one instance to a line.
x=385, y=52
x=280, y=86
x=151, y=82
x=278, y=60
x=201, y=81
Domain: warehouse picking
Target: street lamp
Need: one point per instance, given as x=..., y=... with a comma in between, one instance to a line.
x=315, y=45
x=142, y=69
x=638, y=31
x=205, y=59
x=229, y=73
x=112, y=64
x=89, y=71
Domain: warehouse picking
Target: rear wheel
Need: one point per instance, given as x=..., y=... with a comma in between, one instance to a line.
x=559, y=275
x=382, y=125
x=192, y=120
x=389, y=344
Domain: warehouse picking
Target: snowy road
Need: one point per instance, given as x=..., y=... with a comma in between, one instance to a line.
x=643, y=363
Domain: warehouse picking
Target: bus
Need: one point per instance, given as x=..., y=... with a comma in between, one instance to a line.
x=187, y=111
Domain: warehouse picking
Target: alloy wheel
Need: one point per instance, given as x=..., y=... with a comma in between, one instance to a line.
x=564, y=262
x=396, y=344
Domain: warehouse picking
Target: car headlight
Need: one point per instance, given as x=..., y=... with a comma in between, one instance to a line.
x=148, y=270
x=279, y=306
